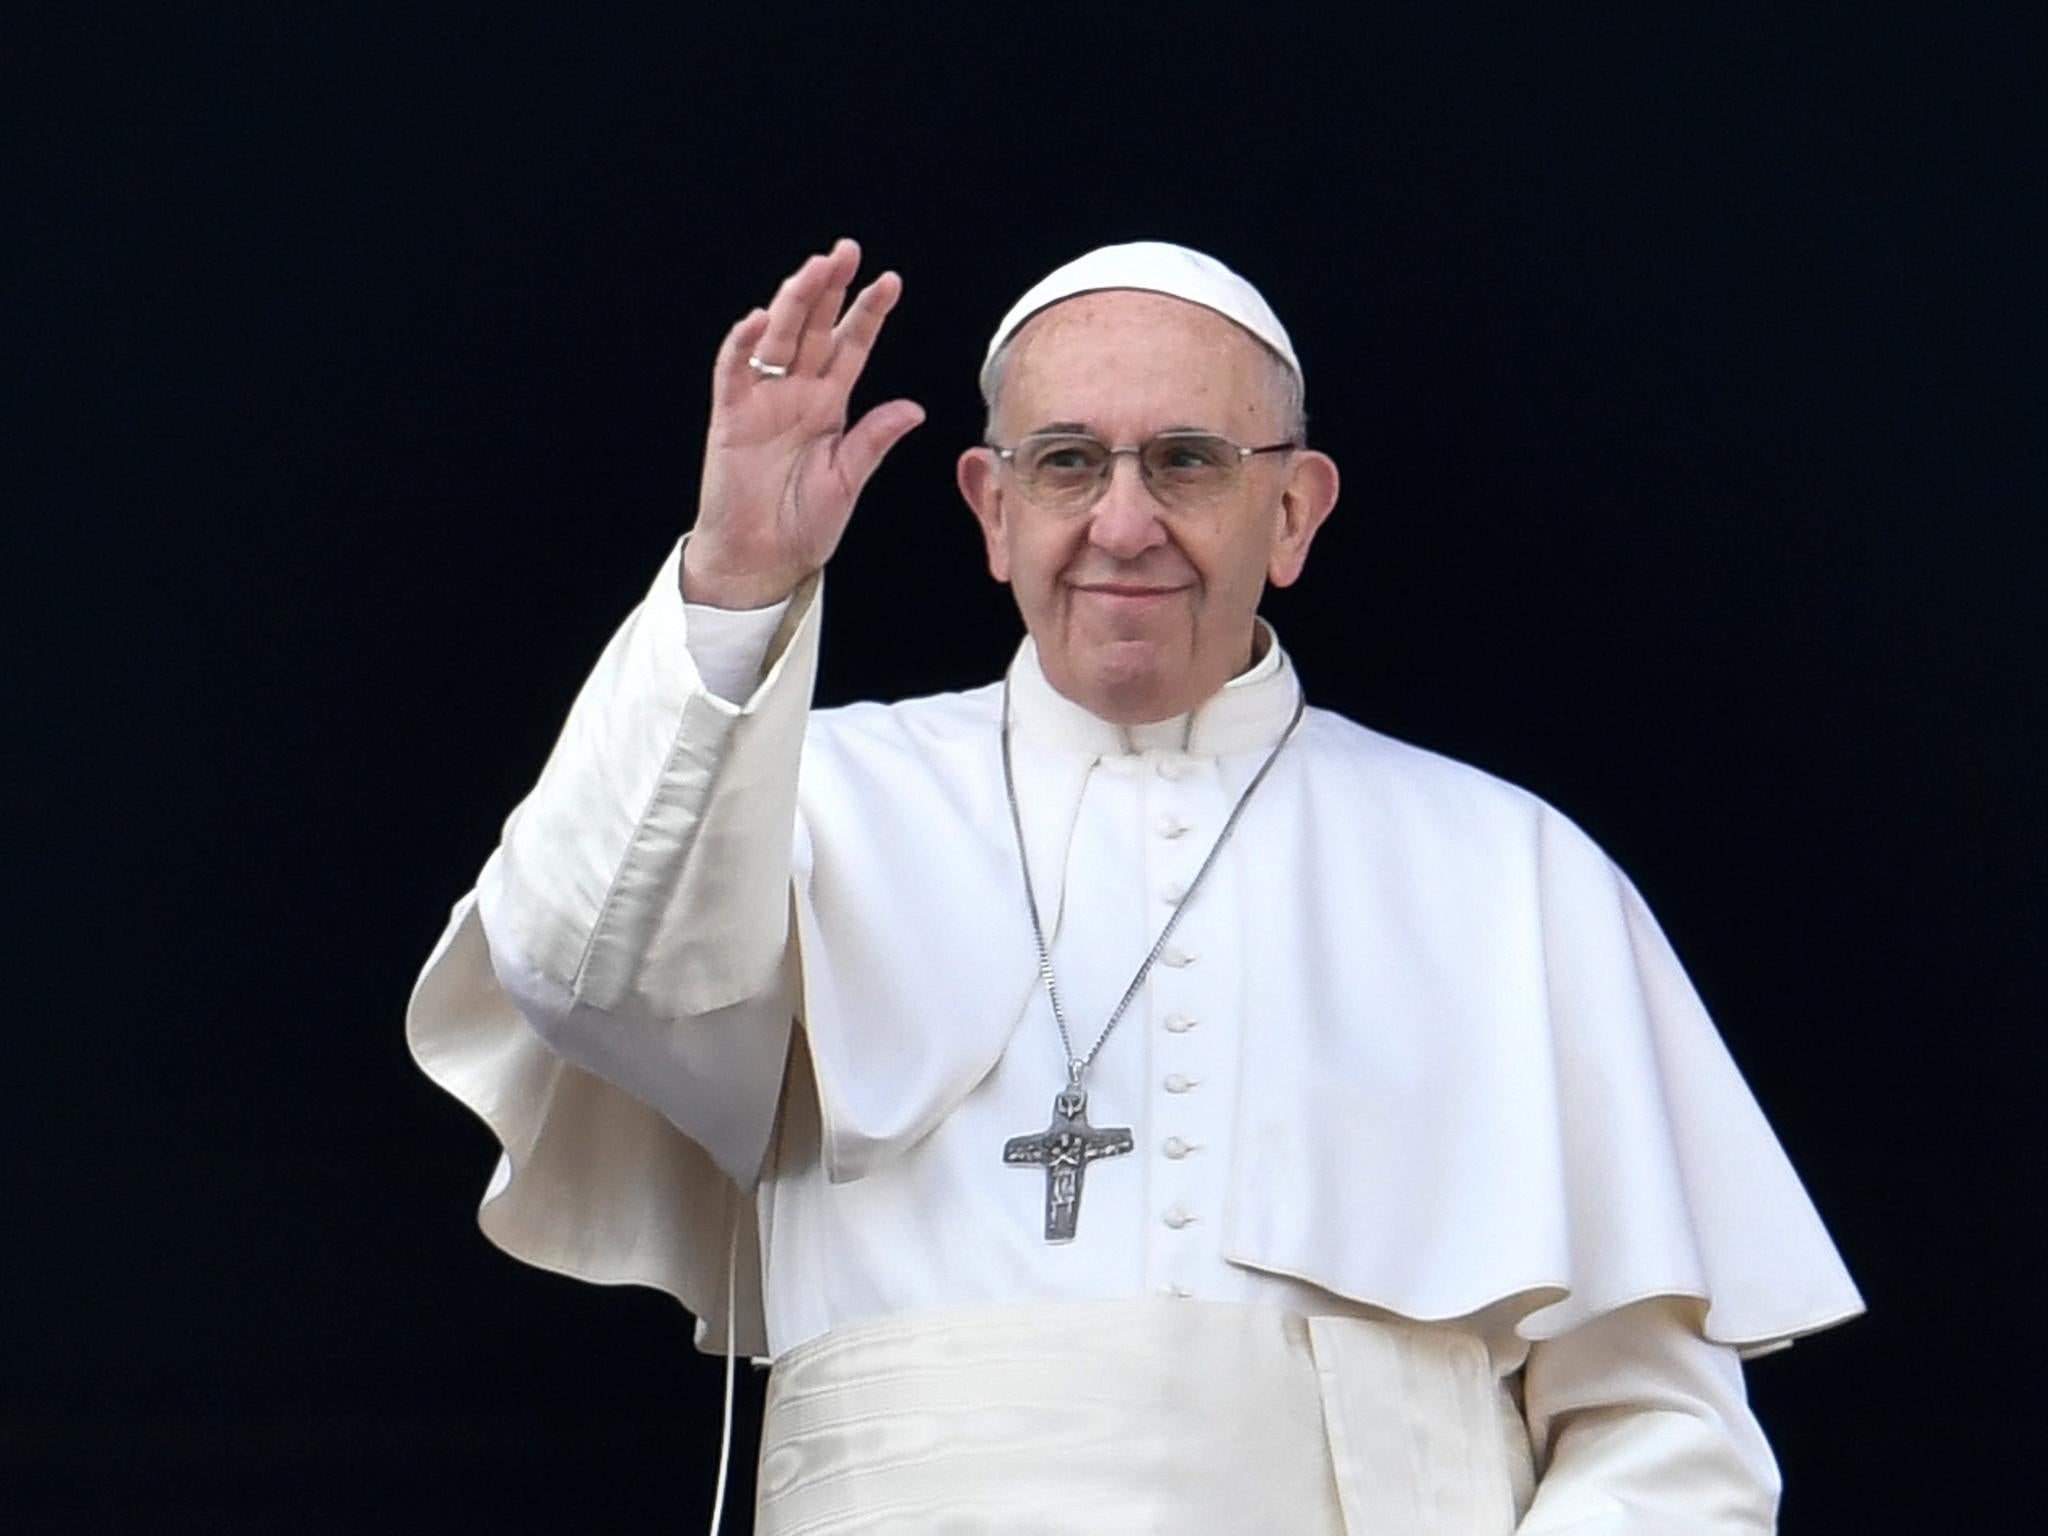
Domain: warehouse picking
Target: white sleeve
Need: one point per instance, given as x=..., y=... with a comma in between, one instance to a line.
x=729, y=646
x=1641, y=1427
x=638, y=908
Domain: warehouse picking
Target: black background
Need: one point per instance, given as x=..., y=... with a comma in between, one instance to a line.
x=1683, y=374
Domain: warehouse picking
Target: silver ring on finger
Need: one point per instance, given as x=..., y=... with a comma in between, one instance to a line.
x=768, y=370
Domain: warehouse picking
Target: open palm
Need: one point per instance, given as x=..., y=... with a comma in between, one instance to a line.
x=782, y=469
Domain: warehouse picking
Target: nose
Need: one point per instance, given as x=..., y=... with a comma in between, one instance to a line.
x=1125, y=520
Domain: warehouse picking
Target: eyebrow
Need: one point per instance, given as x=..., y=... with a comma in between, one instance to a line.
x=1082, y=429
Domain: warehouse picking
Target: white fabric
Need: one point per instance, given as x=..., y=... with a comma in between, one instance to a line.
x=1144, y=1415
x=1470, y=1083
x=1640, y=1428
x=1154, y=266
x=730, y=644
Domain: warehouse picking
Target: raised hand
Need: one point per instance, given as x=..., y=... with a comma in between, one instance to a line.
x=782, y=469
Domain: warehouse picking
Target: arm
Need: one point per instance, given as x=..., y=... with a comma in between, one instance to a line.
x=1641, y=1427
x=638, y=909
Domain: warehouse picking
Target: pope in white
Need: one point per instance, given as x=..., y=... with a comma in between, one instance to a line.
x=1122, y=1097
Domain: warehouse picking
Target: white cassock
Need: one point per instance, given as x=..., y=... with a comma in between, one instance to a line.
x=1448, y=1210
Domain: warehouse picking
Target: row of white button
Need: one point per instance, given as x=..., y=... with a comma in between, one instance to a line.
x=1170, y=827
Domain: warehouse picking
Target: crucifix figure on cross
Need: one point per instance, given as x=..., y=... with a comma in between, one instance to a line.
x=1064, y=1149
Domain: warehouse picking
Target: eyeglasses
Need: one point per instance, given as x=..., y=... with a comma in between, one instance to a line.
x=1067, y=471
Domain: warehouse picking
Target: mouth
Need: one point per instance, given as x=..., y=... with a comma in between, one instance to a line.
x=1127, y=591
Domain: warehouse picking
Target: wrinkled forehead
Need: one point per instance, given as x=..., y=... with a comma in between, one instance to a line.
x=1104, y=355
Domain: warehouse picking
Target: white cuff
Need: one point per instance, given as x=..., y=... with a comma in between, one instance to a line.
x=730, y=646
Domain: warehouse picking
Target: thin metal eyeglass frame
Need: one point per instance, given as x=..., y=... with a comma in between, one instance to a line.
x=1137, y=453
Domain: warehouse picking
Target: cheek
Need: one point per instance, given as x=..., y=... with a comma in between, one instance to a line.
x=1040, y=554
x=1233, y=567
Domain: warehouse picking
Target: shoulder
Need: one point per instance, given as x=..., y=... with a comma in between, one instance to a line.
x=1426, y=788
x=923, y=726
x=1341, y=747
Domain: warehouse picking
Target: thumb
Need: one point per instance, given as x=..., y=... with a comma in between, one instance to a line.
x=865, y=444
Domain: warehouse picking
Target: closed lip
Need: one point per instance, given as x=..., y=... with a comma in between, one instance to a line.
x=1124, y=589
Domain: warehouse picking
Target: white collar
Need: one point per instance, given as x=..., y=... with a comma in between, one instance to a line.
x=1246, y=713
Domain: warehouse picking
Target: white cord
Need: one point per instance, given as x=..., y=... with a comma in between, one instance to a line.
x=732, y=1266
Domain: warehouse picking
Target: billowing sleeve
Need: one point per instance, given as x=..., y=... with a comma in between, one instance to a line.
x=1641, y=1427
x=615, y=997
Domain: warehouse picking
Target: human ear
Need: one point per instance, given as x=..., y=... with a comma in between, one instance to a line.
x=1306, y=499
x=981, y=487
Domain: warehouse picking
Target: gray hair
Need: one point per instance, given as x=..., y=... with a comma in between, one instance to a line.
x=1289, y=401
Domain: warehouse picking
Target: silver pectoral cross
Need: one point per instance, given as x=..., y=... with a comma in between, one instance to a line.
x=1064, y=1149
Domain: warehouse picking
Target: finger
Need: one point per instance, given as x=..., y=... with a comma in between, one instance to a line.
x=791, y=308
x=814, y=345
x=862, y=449
x=854, y=337
x=730, y=373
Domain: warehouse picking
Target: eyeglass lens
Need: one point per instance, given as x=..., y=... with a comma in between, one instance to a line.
x=1180, y=467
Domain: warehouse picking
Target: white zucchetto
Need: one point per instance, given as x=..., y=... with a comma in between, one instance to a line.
x=1154, y=266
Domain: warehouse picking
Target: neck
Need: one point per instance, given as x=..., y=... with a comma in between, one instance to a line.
x=1241, y=715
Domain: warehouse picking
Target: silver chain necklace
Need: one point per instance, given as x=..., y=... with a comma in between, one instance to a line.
x=1067, y=1145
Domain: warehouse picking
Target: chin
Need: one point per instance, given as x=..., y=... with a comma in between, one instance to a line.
x=1125, y=684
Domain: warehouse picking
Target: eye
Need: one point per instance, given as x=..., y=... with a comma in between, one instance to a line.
x=1065, y=457
x=1191, y=455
